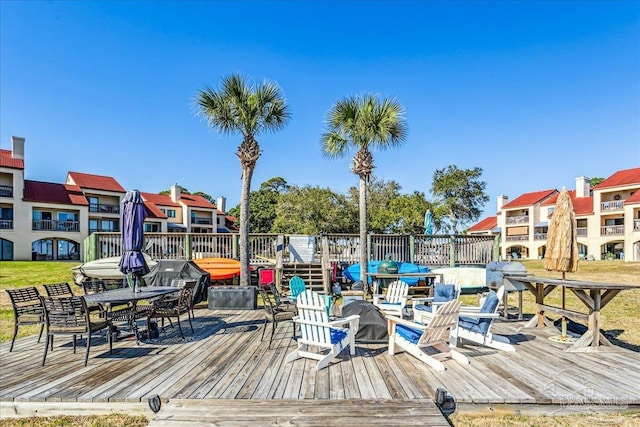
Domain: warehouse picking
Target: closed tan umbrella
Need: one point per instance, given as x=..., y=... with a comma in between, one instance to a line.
x=562, y=243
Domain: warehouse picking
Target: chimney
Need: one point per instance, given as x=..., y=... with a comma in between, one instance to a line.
x=17, y=147
x=583, y=187
x=175, y=193
x=502, y=200
x=221, y=204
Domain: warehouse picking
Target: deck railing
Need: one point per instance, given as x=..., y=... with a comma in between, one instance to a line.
x=521, y=219
x=517, y=238
x=102, y=208
x=611, y=205
x=612, y=230
x=55, y=225
x=436, y=250
x=581, y=231
x=6, y=190
x=6, y=224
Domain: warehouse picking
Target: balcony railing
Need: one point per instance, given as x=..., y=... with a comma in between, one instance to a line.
x=6, y=224
x=636, y=224
x=522, y=219
x=54, y=225
x=540, y=236
x=612, y=230
x=517, y=238
x=202, y=221
x=101, y=208
x=611, y=205
x=6, y=191
x=102, y=230
x=581, y=231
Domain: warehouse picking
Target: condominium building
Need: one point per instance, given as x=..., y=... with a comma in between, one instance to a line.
x=50, y=221
x=607, y=216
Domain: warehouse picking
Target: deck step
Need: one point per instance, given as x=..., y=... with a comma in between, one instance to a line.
x=287, y=412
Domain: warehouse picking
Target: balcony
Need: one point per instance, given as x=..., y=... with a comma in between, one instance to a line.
x=518, y=238
x=6, y=224
x=103, y=230
x=611, y=206
x=202, y=221
x=540, y=236
x=581, y=231
x=102, y=208
x=53, y=225
x=612, y=230
x=6, y=190
x=636, y=224
x=522, y=219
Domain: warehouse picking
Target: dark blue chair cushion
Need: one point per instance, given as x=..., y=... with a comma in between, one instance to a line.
x=443, y=292
x=338, y=334
x=422, y=307
x=481, y=325
x=409, y=334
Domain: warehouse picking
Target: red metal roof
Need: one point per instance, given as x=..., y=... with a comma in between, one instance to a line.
x=48, y=192
x=620, y=178
x=9, y=162
x=153, y=211
x=196, y=201
x=489, y=223
x=529, y=199
x=634, y=198
x=581, y=205
x=159, y=199
x=96, y=182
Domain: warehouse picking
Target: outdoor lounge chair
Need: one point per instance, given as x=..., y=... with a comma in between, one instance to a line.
x=68, y=315
x=425, y=308
x=394, y=301
x=316, y=332
x=296, y=287
x=474, y=324
x=427, y=342
x=27, y=310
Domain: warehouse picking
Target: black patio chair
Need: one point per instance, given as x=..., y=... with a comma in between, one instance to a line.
x=274, y=314
x=27, y=310
x=170, y=306
x=68, y=315
x=58, y=290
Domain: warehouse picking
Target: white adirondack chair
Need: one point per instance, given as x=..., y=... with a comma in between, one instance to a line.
x=317, y=331
x=427, y=342
x=425, y=308
x=474, y=324
x=394, y=301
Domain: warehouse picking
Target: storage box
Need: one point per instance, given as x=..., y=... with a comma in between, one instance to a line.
x=232, y=298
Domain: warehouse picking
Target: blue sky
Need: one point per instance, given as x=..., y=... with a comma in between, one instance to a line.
x=535, y=93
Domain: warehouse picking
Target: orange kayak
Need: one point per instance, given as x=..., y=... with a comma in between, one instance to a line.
x=219, y=268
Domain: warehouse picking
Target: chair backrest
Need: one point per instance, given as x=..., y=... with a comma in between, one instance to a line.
x=445, y=292
x=266, y=277
x=58, y=289
x=269, y=307
x=65, y=314
x=490, y=305
x=443, y=321
x=93, y=287
x=276, y=294
x=185, y=299
x=313, y=319
x=397, y=292
x=296, y=286
x=25, y=301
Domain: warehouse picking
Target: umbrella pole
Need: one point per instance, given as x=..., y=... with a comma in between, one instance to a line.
x=563, y=334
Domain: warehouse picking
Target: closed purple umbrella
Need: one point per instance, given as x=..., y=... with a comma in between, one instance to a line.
x=134, y=212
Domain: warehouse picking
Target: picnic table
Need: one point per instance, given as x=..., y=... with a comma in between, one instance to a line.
x=594, y=295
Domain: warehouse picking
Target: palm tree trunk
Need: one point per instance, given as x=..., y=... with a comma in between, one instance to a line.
x=245, y=273
x=363, y=232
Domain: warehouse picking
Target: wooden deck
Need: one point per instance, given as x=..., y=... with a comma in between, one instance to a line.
x=224, y=360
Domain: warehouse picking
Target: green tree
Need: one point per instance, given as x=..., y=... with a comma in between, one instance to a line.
x=363, y=124
x=380, y=193
x=595, y=181
x=262, y=204
x=406, y=213
x=240, y=106
x=460, y=195
x=205, y=196
x=181, y=188
x=314, y=210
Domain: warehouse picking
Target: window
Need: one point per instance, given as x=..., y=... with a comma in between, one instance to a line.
x=152, y=227
x=67, y=216
x=163, y=210
x=42, y=215
x=93, y=204
x=171, y=213
x=6, y=213
x=6, y=250
x=109, y=225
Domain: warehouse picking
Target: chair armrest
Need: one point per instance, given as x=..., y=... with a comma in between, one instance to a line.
x=377, y=298
x=395, y=319
x=469, y=309
x=344, y=320
x=422, y=300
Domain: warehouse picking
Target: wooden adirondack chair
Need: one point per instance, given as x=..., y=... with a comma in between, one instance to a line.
x=475, y=323
x=425, y=308
x=296, y=287
x=427, y=342
x=317, y=331
x=394, y=301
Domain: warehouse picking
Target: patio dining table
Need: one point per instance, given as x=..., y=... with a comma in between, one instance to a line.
x=594, y=295
x=131, y=298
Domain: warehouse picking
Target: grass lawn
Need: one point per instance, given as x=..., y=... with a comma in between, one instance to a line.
x=620, y=318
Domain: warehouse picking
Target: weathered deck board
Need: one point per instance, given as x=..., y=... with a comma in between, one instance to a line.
x=225, y=360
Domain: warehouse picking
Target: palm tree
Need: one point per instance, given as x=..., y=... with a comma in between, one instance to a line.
x=362, y=124
x=243, y=107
